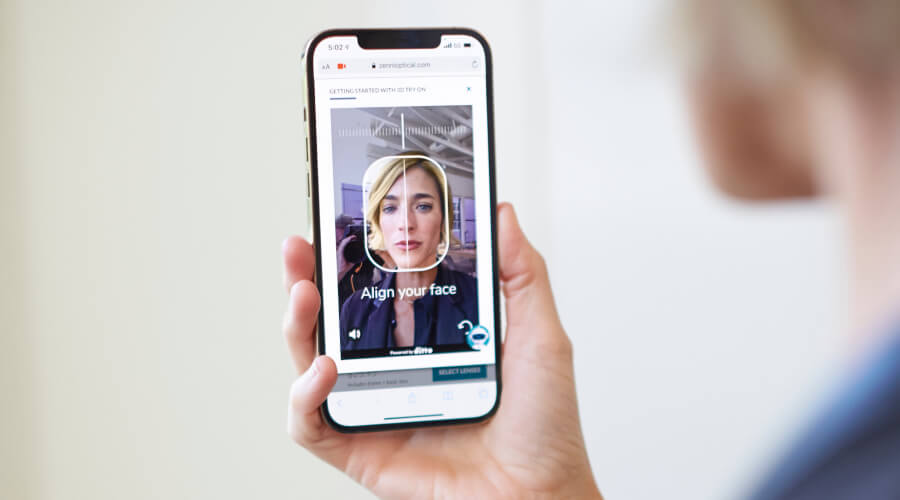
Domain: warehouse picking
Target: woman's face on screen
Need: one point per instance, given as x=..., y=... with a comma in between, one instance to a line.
x=411, y=217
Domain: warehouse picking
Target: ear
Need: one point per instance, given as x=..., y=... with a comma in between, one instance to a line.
x=753, y=137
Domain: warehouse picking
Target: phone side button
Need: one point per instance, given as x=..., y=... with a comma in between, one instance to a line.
x=308, y=186
x=309, y=221
x=307, y=150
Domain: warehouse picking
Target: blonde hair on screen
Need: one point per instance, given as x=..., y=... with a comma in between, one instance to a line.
x=382, y=185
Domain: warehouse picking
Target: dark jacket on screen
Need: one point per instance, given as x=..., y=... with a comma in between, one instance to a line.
x=437, y=317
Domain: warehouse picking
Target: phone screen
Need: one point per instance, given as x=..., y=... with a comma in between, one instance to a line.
x=403, y=194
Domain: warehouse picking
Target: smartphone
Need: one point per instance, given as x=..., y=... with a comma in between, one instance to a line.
x=402, y=197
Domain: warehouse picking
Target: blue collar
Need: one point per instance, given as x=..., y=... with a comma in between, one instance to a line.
x=867, y=399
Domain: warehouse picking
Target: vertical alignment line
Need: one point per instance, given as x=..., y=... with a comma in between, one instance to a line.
x=405, y=205
x=405, y=200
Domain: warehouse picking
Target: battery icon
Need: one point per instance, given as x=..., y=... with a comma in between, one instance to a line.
x=342, y=66
x=467, y=44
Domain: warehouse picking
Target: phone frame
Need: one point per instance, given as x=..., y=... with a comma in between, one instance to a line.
x=401, y=38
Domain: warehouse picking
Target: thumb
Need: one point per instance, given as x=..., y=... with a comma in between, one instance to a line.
x=526, y=284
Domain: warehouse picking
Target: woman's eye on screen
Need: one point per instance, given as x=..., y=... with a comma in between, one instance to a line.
x=424, y=207
x=388, y=209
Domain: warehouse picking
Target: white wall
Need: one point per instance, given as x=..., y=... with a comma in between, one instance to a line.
x=152, y=163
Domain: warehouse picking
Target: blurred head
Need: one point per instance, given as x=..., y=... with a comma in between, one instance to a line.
x=406, y=212
x=757, y=73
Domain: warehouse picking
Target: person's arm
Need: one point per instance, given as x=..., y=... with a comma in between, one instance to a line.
x=343, y=266
x=531, y=448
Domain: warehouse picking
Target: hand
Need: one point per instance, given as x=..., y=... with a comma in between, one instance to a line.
x=532, y=447
x=343, y=265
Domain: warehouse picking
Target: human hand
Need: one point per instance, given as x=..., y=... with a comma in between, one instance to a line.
x=532, y=447
x=343, y=265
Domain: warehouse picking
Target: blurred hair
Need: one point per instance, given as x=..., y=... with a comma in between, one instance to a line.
x=767, y=37
x=386, y=178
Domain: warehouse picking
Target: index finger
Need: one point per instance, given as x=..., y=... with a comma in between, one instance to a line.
x=299, y=261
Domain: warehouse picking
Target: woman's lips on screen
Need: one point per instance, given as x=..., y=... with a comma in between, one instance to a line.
x=408, y=244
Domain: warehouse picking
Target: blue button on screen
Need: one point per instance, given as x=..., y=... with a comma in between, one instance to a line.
x=458, y=372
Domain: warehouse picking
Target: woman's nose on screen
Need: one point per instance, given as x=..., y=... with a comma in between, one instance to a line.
x=408, y=223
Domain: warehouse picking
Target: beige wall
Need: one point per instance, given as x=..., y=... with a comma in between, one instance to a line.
x=17, y=434
x=152, y=163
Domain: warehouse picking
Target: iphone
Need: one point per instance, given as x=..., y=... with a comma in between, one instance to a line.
x=402, y=203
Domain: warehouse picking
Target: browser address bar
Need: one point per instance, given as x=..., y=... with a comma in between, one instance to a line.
x=390, y=67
